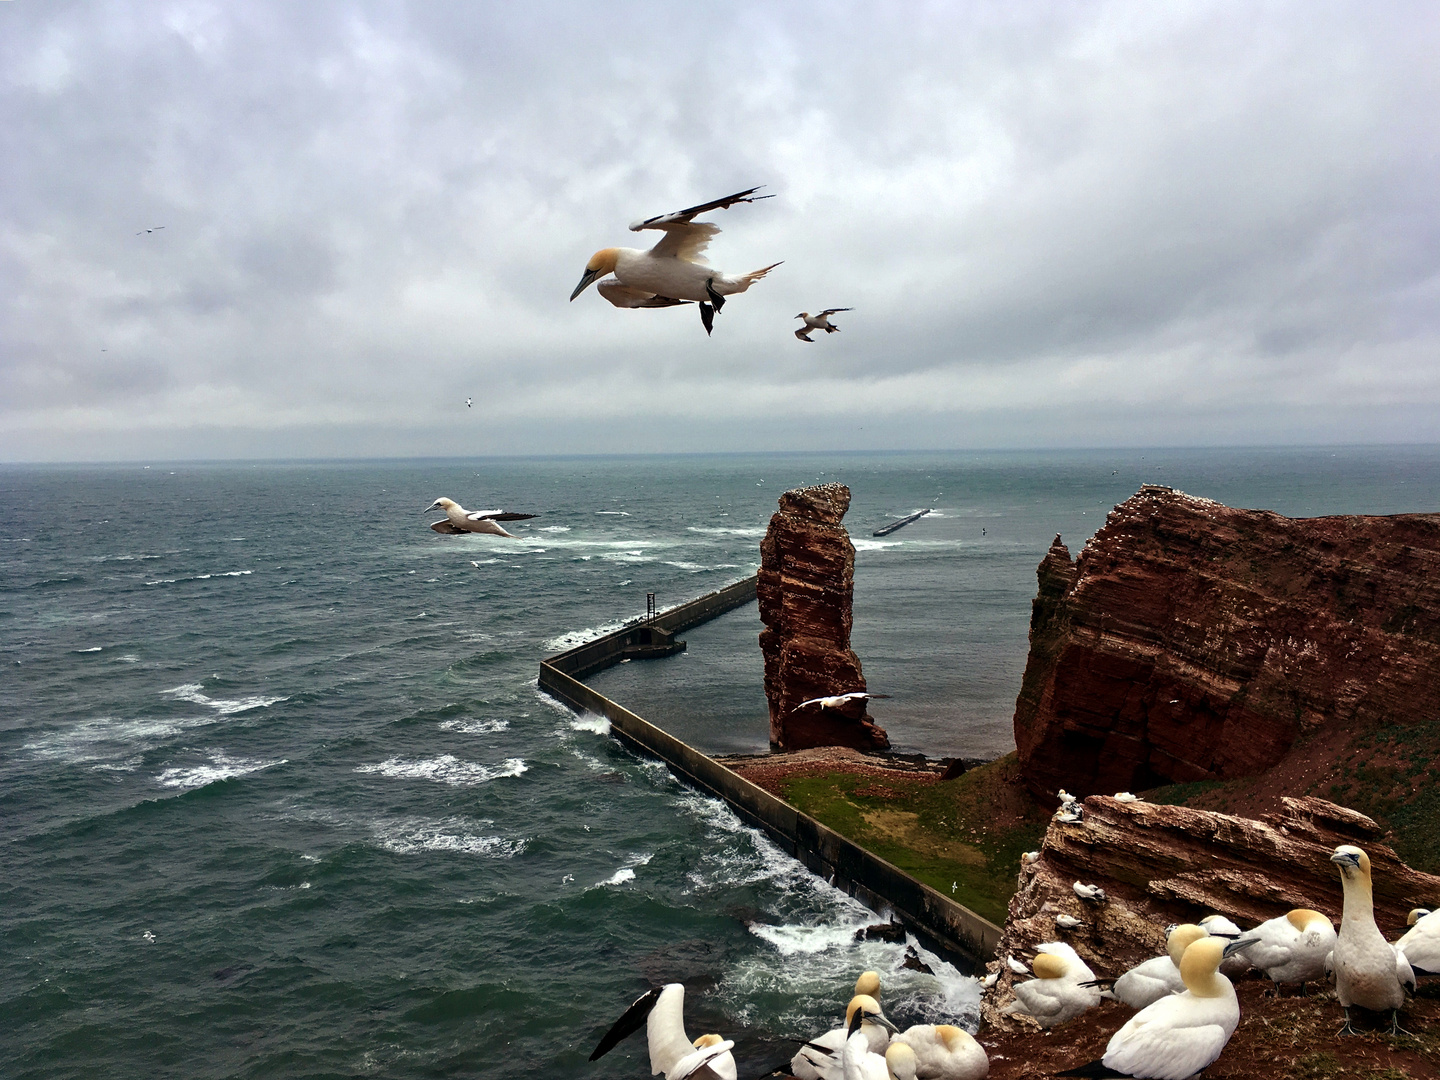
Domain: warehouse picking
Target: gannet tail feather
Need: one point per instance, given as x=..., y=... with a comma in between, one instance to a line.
x=755, y=275
x=632, y=1021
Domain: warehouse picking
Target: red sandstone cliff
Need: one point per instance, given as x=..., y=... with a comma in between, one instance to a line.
x=806, y=587
x=1193, y=641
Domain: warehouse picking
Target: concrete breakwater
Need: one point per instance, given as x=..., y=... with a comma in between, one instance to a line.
x=950, y=929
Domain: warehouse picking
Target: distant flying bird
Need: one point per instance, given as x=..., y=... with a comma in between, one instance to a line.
x=838, y=701
x=460, y=520
x=142, y=232
x=671, y=272
x=469, y=403
x=818, y=322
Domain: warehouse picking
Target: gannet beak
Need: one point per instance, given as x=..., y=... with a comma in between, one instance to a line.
x=432, y=506
x=878, y=1018
x=1238, y=945
x=585, y=279
x=1345, y=858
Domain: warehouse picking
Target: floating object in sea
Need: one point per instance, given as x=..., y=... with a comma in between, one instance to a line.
x=938, y=1052
x=670, y=273
x=818, y=322
x=662, y=1012
x=1369, y=971
x=1093, y=893
x=1291, y=948
x=149, y=937
x=1421, y=943
x=460, y=520
x=838, y=700
x=1180, y=1034
x=1059, y=991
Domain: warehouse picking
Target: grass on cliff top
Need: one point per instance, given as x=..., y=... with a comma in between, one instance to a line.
x=962, y=837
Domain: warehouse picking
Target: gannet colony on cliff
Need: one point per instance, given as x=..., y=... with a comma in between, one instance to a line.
x=671, y=272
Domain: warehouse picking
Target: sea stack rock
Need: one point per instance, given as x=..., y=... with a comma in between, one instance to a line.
x=1194, y=641
x=806, y=588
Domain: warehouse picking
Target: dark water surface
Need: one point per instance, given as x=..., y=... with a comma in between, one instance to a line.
x=280, y=797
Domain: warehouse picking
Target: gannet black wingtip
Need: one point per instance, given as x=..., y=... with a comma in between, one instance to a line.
x=630, y=1022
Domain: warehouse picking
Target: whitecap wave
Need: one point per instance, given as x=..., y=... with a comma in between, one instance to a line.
x=97, y=648
x=221, y=767
x=87, y=740
x=580, y=637
x=726, y=530
x=626, y=872
x=614, y=513
x=591, y=722
x=445, y=769
x=475, y=727
x=201, y=577
x=224, y=706
x=453, y=834
x=554, y=528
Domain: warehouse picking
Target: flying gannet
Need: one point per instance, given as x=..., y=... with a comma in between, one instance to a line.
x=1421, y=943
x=1292, y=948
x=460, y=520
x=1148, y=982
x=838, y=701
x=1056, y=994
x=818, y=322
x=1180, y=1034
x=820, y=1058
x=671, y=272
x=662, y=1011
x=939, y=1052
x=1369, y=971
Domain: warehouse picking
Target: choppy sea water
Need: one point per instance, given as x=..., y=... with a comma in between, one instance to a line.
x=280, y=797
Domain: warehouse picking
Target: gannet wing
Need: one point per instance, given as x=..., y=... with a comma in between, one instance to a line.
x=812, y=701
x=684, y=239
x=626, y=296
x=691, y=1062
x=445, y=527
x=496, y=515
x=833, y=310
x=660, y=221
x=1161, y=1050
x=629, y=1022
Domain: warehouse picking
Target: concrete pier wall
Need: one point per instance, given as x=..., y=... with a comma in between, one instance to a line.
x=950, y=929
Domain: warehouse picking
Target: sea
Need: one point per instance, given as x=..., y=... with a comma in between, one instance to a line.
x=279, y=796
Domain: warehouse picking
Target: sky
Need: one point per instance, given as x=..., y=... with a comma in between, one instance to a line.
x=1058, y=224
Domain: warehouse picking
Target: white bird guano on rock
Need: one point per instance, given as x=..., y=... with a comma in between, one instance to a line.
x=1061, y=990
x=1369, y=971
x=460, y=520
x=1421, y=943
x=662, y=1011
x=1180, y=1034
x=671, y=272
x=1292, y=948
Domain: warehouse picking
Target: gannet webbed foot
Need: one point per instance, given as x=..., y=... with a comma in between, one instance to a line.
x=1345, y=1028
x=715, y=297
x=707, y=316
x=1395, y=1028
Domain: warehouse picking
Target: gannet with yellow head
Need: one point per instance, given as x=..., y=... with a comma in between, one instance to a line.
x=671, y=272
x=1293, y=947
x=1148, y=982
x=460, y=520
x=1421, y=943
x=940, y=1052
x=820, y=1058
x=1369, y=971
x=1061, y=990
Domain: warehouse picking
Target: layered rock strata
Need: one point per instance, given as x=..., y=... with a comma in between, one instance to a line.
x=806, y=588
x=1166, y=864
x=1194, y=641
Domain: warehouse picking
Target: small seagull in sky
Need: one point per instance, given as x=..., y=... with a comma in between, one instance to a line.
x=818, y=322
x=671, y=272
x=459, y=520
x=838, y=701
x=142, y=232
x=469, y=403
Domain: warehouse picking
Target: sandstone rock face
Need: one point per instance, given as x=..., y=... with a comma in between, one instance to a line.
x=1193, y=641
x=1166, y=864
x=806, y=588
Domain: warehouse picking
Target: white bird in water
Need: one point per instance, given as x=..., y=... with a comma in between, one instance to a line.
x=1179, y=1035
x=1369, y=971
x=818, y=322
x=460, y=520
x=1093, y=893
x=149, y=937
x=662, y=1011
x=671, y=272
x=838, y=701
x=1292, y=948
x=1421, y=943
x=936, y=1052
x=1061, y=989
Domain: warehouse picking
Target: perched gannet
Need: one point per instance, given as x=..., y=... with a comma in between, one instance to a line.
x=1016, y=966
x=818, y=322
x=671, y=272
x=900, y=1062
x=838, y=701
x=1067, y=922
x=1421, y=943
x=1055, y=994
x=1093, y=893
x=1125, y=796
x=1369, y=971
x=989, y=981
x=1221, y=927
x=460, y=520
x=1148, y=982
x=859, y=1061
x=939, y=1052
x=1180, y=1034
x=1291, y=948
x=1065, y=797
x=662, y=1011
x=819, y=1059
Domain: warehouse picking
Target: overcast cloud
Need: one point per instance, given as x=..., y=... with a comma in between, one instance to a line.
x=1065, y=224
